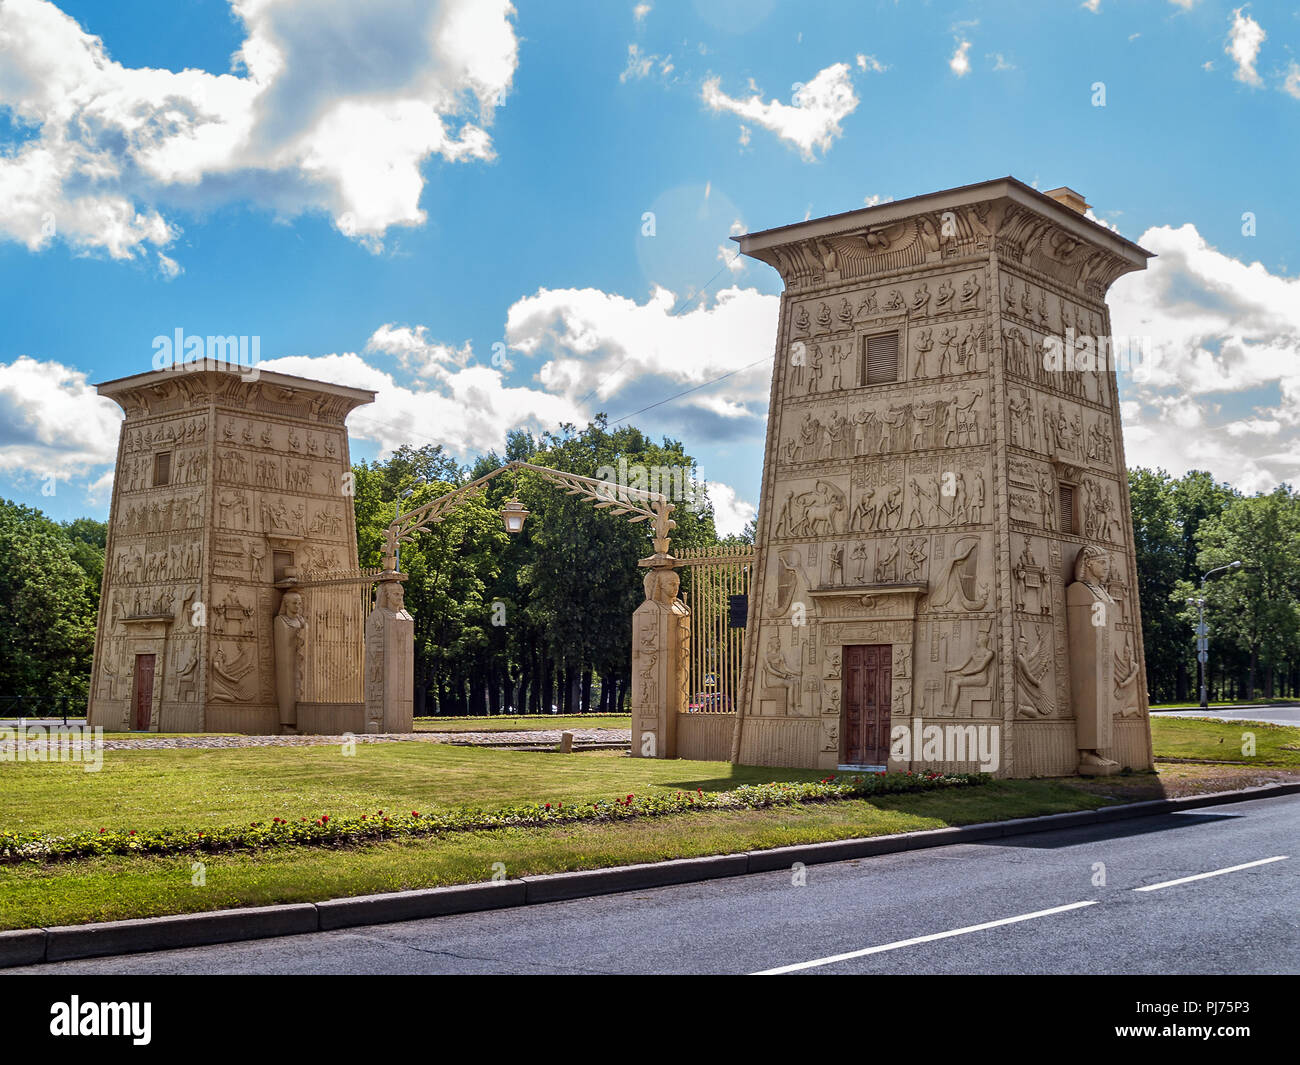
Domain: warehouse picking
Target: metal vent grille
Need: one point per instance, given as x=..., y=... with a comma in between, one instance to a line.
x=1067, y=508
x=882, y=359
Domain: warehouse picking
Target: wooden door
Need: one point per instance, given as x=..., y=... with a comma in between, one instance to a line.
x=865, y=714
x=143, y=691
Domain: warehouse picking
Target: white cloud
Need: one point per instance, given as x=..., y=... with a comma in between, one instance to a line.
x=1000, y=62
x=959, y=64
x=468, y=409
x=1224, y=367
x=730, y=513
x=1245, y=38
x=810, y=123
x=640, y=11
x=871, y=63
x=1092, y=5
x=627, y=355
x=641, y=65
x=417, y=353
x=330, y=108
x=52, y=423
x=1291, y=85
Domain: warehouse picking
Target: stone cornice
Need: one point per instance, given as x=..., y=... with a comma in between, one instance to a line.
x=1004, y=216
x=207, y=381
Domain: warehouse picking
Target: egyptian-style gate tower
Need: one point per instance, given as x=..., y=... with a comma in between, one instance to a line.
x=232, y=491
x=944, y=530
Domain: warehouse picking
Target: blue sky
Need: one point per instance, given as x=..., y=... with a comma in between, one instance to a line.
x=388, y=198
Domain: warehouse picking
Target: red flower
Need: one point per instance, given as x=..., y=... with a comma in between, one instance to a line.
x=133, y=831
x=103, y=830
x=324, y=818
x=548, y=805
x=415, y=813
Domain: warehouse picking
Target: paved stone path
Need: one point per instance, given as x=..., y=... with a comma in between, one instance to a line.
x=588, y=737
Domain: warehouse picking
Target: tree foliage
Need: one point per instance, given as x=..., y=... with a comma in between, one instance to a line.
x=49, y=598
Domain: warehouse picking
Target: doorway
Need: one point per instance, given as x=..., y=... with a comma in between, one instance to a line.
x=144, y=668
x=867, y=688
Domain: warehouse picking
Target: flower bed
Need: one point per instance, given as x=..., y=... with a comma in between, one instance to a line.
x=327, y=831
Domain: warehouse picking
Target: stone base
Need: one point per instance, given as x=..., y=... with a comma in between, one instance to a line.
x=1108, y=769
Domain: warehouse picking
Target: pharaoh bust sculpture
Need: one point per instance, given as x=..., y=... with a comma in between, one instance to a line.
x=661, y=586
x=290, y=657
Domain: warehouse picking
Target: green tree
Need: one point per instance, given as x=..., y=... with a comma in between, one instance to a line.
x=47, y=613
x=1256, y=607
x=1160, y=564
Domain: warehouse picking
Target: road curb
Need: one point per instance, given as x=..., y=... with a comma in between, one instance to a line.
x=30, y=946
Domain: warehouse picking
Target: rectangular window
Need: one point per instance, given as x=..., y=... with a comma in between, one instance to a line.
x=880, y=359
x=1067, y=508
x=162, y=469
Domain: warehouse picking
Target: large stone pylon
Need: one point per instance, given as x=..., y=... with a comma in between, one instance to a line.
x=942, y=449
x=231, y=486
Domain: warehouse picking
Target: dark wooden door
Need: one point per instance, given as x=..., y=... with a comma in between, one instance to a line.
x=143, y=690
x=867, y=687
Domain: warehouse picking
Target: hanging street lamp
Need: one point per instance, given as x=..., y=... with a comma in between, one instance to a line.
x=513, y=514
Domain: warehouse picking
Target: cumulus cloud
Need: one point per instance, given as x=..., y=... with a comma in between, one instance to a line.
x=467, y=409
x=1223, y=366
x=628, y=355
x=53, y=424
x=329, y=107
x=730, y=513
x=811, y=123
x=1245, y=38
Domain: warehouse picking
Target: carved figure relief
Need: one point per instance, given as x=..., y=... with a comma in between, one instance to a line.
x=960, y=587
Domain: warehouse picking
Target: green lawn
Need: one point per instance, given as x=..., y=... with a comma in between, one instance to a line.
x=526, y=723
x=115, y=888
x=152, y=788
x=1222, y=741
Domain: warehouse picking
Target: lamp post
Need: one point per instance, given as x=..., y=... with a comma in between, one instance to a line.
x=1203, y=634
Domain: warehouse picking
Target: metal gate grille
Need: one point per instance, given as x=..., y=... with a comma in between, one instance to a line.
x=711, y=576
x=338, y=603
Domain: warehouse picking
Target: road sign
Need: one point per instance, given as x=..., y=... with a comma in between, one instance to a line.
x=1202, y=629
x=1202, y=644
x=1203, y=656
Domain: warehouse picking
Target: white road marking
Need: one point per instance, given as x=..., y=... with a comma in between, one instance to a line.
x=922, y=939
x=1216, y=872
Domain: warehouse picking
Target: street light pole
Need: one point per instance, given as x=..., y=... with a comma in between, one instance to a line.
x=1203, y=635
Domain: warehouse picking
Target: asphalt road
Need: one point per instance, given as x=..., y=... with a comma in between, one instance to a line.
x=1274, y=715
x=912, y=912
